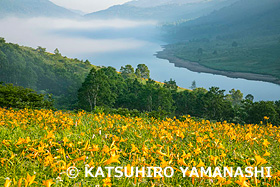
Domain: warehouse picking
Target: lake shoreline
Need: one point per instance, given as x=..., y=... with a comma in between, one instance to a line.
x=196, y=67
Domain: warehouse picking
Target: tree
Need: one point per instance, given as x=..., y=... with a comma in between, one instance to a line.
x=94, y=91
x=216, y=106
x=277, y=105
x=198, y=101
x=152, y=82
x=87, y=62
x=249, y=97
x=4, y=63
x=200, y=91
x=235, y=96
x=193, y=86
x=258, y=110
x=163, y=100
x=2, y=40
x=171, y=84
x=128, y=72
x=56, y=52
x=116, y=84
x=184, y=102
x=20, y=97
x=142, y=71
x=41, y=49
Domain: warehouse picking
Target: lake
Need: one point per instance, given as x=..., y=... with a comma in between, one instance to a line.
x=117, y=43
x=163, y=70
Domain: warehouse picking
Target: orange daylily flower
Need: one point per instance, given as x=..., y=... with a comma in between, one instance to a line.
x=29, y=180
x=260, y=160
x=265, y=143
x=107, y=182
x=242, y=182
x=266, y=153
x=113, y=159
x=214, y=159
x=201, y=164
x=48, y=183
x=94, y=148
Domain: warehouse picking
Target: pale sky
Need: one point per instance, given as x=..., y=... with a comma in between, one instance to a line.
x=88, y=6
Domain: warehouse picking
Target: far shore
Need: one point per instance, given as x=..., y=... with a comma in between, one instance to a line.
x=196, y=67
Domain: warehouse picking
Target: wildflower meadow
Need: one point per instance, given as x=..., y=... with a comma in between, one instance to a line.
x=38, y=146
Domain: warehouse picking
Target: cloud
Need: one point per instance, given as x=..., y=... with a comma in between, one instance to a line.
x=42, y=32
x=88, y=5
x=47, y=23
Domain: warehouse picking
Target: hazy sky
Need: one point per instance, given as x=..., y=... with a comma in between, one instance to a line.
x=88, y=5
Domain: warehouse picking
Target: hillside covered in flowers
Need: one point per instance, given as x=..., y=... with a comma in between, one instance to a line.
x=38, y=146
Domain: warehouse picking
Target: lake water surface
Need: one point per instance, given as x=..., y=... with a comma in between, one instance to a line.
x=117, y=43
x=163, y=70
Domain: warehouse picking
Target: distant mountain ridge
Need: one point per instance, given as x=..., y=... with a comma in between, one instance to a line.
x=33, y=8
x=155, y=3
x=245, y=17
x=161, y=10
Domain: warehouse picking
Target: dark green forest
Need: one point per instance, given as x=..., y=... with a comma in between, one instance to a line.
x=44, y=72
x=19, y=97
x=72, y=84
x=108, y=89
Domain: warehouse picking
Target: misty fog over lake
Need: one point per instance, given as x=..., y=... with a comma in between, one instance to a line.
x=117, y=43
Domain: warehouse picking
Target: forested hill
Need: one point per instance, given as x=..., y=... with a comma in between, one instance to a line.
x=243, y=37
x=32, y=8
x=45, y=72
x=243, y=18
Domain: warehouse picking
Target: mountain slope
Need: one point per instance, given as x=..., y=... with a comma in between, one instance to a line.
x=243, y=37
x=42, y=71
x=161, y=10
x=32, y=8
x=156, y=3
x=245, y=17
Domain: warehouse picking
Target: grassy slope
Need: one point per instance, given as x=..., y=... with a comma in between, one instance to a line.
x=43, y=144
x=260, y=56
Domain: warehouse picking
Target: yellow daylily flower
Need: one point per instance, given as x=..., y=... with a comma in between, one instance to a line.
x=48, y=183
x=113, y=159
x=8, y=182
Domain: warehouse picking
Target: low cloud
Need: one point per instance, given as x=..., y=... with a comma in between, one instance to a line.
x=42, y=32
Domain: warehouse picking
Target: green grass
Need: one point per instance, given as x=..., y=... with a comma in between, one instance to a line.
x=260, y=56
